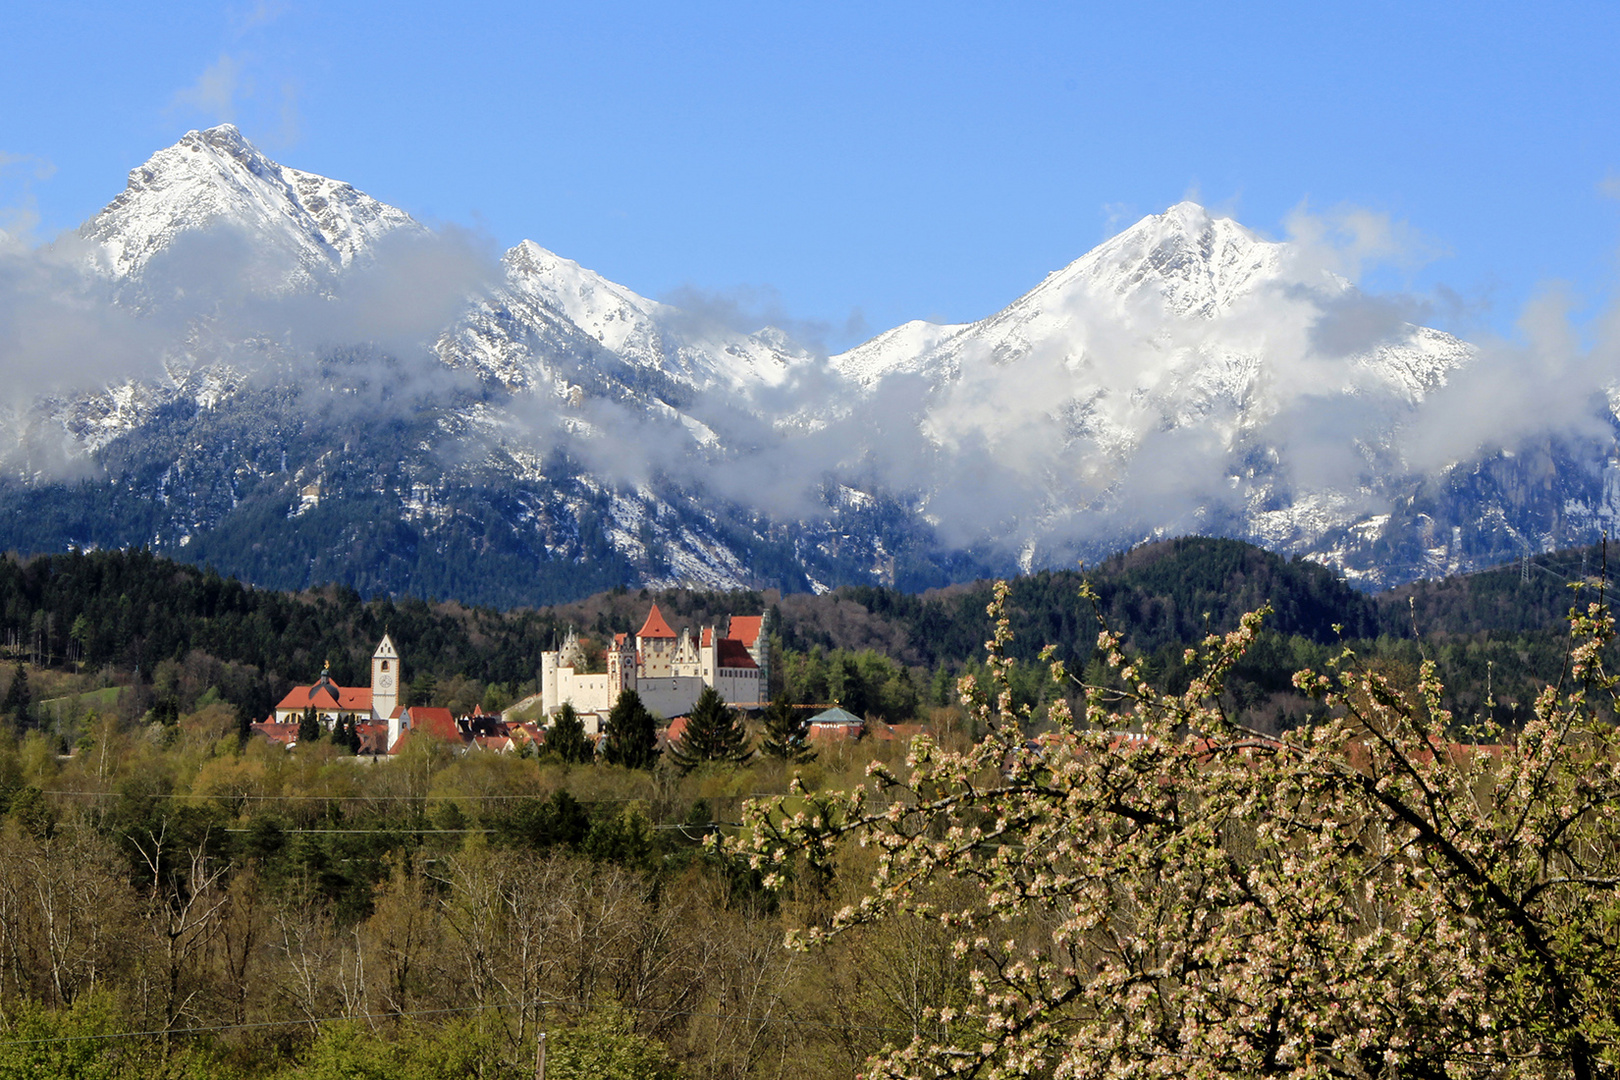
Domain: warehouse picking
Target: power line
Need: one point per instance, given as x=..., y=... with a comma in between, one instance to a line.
x=209, y=1029
x=457, y=797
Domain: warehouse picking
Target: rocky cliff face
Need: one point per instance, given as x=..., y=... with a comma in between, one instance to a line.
x=337, y=393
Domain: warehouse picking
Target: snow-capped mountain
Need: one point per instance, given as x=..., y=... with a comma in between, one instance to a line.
x=1181, y=345
x=217, y=178
x=556, y=432
x=1154, y=307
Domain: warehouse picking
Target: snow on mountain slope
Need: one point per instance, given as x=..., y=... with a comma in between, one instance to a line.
x=872, y=360
x=1181, y=317
x=216, y=177
x=1174, y=282
x=549, y=297
x=1185, y=375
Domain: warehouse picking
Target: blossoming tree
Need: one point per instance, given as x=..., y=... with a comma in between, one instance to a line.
x=1163, y=891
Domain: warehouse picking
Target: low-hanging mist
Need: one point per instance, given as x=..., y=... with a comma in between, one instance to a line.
x=1186, y=376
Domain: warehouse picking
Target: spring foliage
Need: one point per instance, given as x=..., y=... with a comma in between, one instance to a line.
x=1153, y=888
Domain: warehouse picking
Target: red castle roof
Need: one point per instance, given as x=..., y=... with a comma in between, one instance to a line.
x=655, y=626
x=745, y=628
x=733, y=654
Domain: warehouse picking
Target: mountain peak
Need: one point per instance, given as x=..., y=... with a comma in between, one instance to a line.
x=216, y=177
x=1188, y=216
x=1199, y=264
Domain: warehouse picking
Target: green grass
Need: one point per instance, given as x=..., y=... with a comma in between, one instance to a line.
x=102, y=700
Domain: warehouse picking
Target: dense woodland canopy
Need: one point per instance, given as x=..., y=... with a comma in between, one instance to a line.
x=168, y=630
x=273, y=914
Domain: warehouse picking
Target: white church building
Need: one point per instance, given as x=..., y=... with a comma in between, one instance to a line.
x=667, y=670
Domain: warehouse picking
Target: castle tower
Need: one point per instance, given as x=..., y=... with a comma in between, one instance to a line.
x=655, y=642
x=386, y=675
x=621, y=665
x=548, y=684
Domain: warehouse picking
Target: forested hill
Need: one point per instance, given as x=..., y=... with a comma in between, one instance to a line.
x=1513, y=599
x=132, y=612
x=1165, y=593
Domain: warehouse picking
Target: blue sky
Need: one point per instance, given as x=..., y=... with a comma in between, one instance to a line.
x=856, y=165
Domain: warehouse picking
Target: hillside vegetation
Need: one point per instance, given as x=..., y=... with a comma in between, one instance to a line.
x=259, y=913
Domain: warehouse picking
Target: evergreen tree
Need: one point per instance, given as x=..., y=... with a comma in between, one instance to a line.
x=714, y=732
x=566, y=737
x=340, y=733
x=786, y=736
x=632, y=736
x=423, y=687
x=309, y=727
x=17, y=696
x=354, y=736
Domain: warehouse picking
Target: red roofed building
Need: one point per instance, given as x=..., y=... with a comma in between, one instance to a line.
x=366, y=704
x=656, y=645
x=423, y=721
x=668, y=670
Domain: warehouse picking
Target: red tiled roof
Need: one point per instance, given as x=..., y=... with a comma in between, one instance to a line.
x=655, y=626
x=708, y=635
x=745, y=628
x=278, y=733
x=322, y=696
x=895, y=732
x=373, y=738
x=428, y=720
x=677, y=728
x=734, y=654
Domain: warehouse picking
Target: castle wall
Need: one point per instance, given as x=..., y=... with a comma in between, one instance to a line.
x=740, y=686
x=588, y=693
x=656, y=658
x=673, y=695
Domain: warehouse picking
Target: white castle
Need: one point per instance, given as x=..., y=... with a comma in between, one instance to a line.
x=666, y=670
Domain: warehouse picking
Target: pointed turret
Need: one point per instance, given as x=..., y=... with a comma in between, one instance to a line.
x=656, y=644
x=655, y=626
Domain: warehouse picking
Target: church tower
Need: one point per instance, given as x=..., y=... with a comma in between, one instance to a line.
x=385, y=679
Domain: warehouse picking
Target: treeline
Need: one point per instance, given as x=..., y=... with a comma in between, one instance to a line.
x=1498, y=634
x=177, y=632
x=133, y=611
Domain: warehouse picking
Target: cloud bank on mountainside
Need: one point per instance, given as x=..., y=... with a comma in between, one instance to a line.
x=1185, y=376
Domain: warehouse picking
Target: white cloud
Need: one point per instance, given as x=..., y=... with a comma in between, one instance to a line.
x=215, y=92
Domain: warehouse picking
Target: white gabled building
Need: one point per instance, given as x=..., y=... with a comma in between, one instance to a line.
x=364, y=704
x=667, y=670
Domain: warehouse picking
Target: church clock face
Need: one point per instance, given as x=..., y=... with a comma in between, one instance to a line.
x=385, y=681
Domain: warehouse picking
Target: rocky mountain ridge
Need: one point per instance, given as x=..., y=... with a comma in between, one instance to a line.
x=362, y=401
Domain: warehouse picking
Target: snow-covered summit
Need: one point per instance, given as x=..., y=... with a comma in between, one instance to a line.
x=1177, y=293
x=1198, y=265
x=550, y=305
x=217, y=177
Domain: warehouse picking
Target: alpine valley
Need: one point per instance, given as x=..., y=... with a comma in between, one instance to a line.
x=240, y=364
